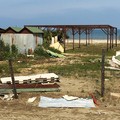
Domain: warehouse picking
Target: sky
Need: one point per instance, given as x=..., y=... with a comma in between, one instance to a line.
x=61, y=12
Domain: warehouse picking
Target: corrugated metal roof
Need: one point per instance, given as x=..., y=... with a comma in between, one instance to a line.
x=34, y=29
x=17, y=29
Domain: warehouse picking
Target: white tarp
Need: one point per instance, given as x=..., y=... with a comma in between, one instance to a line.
x=61, y=102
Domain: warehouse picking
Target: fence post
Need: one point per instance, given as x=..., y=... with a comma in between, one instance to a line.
x=102, y=73
x=12, y=77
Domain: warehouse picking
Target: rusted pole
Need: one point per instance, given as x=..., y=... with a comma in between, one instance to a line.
x=13, y=80
x=116, y=37
x=64, y=38
x=102, y=73
x=73, y=33
x=107, y=38
x=110, y=38
x=86, y=32
x=79, y=32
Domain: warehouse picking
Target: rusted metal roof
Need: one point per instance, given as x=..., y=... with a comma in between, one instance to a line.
x=110, y=31
x=72, y=26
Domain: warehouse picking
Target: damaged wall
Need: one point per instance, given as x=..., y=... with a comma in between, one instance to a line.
x=24, y=42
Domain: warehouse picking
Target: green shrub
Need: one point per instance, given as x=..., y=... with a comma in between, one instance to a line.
x=39, y=51
x=14, y=50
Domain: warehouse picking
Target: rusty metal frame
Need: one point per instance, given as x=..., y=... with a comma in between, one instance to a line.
x=110, y=31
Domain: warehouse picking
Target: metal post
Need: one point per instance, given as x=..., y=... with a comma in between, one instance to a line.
x=73, y=38
x=88, y=37
x=64, y=38
x=86, y=31
x=107, y=38
x=110, y=38
x=102, y=73
x=116, y=37
x=13, y=80
x=79, y=36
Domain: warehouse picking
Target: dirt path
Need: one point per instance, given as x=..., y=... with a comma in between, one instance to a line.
x=21, y=110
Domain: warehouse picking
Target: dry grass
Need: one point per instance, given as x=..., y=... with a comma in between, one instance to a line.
x=77, y=84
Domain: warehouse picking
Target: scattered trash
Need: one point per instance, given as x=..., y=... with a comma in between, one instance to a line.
x=7, y=97
x=115, y=62
x=115, y=95
x=94, y=99
x=112, y=68
x=30, y=100
x=33, y=83
x=66, y=97
x=117, y=53
x=31, y=87
x=106, y=79
x=30, y=56
x=112, y=64
x=61, y=102
x=53, y=54
x=57, y=46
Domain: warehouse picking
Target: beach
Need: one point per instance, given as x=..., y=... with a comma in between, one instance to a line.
x=92, y=41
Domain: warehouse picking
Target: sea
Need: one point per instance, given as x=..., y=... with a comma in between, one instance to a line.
x=96, y=34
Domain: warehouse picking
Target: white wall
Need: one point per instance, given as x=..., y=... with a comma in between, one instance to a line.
x=24, y=42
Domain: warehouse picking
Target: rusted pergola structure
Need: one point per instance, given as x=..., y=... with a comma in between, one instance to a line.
x=110, y=31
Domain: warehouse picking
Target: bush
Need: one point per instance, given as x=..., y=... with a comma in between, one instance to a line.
x=14, y=49
x=4, y=50
x=7, y=52
x=39, y=51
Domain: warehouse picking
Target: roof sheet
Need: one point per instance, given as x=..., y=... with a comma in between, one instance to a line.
x=17, y=29
x=34, y=29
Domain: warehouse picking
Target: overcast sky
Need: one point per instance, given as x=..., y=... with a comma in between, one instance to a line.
x=82, y=12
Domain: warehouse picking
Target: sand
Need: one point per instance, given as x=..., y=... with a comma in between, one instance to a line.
x=93, y=41
x=108, y=109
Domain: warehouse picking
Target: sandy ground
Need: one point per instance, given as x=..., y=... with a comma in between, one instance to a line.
x=21, y=110
x=108, y=109
x=92, y=41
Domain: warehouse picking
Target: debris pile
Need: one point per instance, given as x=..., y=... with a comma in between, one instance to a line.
x=115, y=62
x=32, y=83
